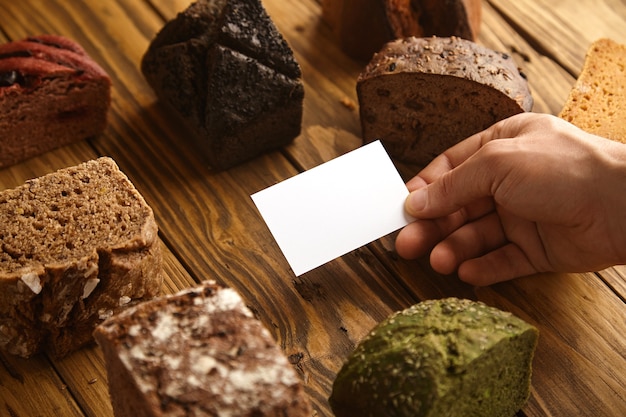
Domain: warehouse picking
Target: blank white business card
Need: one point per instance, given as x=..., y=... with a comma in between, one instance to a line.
x=334, y=208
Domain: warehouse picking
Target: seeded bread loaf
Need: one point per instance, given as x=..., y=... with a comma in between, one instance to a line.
x=449, y=357
x=197, y=353
x=597, y=102
x=362, y=27
x=77, y=245
x=422, y=95
x=228, y=73
x=51, y=94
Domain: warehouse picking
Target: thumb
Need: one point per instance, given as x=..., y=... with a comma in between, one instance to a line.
x=450, y=192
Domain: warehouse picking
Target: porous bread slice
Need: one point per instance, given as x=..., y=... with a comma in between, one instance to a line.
x=77, y=245
x=597, y=101
x=420, y=96
x=448, y=357
x=198, y=352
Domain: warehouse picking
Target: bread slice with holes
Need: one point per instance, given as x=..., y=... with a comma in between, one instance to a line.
x=77, y=245
x=422, y=95
x=597, y=102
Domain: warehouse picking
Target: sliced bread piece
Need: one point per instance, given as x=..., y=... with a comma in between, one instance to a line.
x=51, y=94
x=420, y=96
x=199, y=352
x=77, y=245
x=597, y=102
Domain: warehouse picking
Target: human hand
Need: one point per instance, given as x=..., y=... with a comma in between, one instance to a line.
x=530, y=194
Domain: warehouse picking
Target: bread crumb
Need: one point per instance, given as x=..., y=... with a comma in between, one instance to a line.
x=348, y=103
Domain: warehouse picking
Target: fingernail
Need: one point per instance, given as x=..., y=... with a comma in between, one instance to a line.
x=416, y=201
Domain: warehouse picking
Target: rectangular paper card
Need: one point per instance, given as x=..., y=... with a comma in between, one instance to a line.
x=334, y=208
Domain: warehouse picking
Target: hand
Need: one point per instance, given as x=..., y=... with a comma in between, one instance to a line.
x=530, y=194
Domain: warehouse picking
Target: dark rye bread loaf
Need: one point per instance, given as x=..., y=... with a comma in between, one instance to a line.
x=200, y=352
x=422, y=95
x=77, y=245
x=362, y=27
x=51, y=94
x=449, y=357
x=228, y=73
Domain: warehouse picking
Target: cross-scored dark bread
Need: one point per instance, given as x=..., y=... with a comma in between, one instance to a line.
x=422, y=95
x=51, y=94
x=77, y=245
x=231, y=77
x=198, y=352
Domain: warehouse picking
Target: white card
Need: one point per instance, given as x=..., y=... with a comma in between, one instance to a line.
x=334, y=208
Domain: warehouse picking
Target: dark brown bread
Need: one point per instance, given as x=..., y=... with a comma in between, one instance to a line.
x=228, y=73
x=51, y=94
x=77, y=245
x=200, y=352
x=422, y=95
x=362, y=27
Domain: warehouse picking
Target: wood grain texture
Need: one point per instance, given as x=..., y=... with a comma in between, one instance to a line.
x=210, y=228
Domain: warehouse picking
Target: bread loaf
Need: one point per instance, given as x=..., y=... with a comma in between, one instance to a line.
x=445, y=357
x=51, y=94
x=231, y=77
x=597, y=102
x=77, y=245
x=197, y=353
x=362, y=27
x=420, y=96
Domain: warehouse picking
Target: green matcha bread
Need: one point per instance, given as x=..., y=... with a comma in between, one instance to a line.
x=448, y=357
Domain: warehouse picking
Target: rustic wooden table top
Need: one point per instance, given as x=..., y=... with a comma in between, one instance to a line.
x=210, y=228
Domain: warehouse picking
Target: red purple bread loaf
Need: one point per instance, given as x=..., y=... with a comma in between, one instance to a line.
x=51, y=94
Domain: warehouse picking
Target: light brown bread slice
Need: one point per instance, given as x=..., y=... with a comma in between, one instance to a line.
x=420, y=96
x=597, y=102
x=200, y=352
x=77, y=245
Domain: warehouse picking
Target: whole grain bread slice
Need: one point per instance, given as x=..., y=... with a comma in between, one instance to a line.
x=597, y=101
x=77, y=245
x=420, y=96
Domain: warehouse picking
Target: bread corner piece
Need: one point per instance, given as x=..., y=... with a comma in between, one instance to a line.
x=197, y=352
x=420, y=96
x=597, y=101
x=448, y=357
x=230, y=76
x=77, y=245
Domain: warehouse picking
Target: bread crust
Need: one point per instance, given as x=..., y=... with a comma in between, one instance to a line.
x=62, y=273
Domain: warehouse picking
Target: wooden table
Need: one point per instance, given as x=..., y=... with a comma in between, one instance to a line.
x=210, y=228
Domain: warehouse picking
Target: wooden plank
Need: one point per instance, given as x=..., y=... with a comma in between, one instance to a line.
x=563, y=29
x=31, y=388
